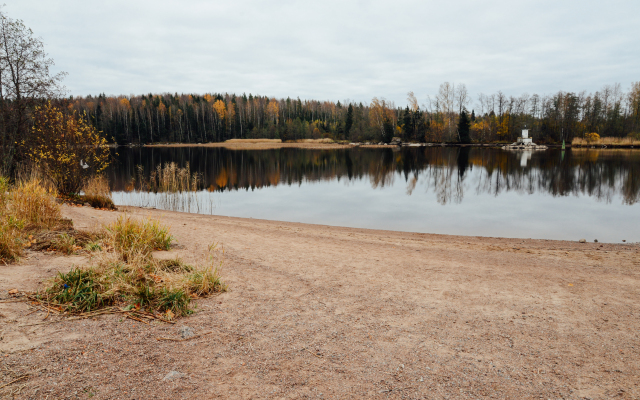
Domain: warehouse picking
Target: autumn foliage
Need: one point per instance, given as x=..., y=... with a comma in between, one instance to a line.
x=66, y=148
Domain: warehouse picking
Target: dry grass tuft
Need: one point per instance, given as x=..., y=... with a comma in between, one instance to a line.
x=97, y=193
x=125, y=274
x=173, y=179
x=133, y=238
x=31, y=202
x=27, y=207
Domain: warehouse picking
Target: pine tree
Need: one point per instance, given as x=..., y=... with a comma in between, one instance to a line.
x=349, y=122
x=463, y=128
x=407, y=124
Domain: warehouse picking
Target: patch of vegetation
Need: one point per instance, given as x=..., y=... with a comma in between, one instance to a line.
x=26, y=208
x=97, y=193
x=67, y=149
x=593, y=138
x=65, y=243
x=133, y=238
x=125, y=274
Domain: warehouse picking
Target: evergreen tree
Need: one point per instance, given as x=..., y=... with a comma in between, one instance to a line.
x=349, y=122
x=463, y=128
x=407, y=124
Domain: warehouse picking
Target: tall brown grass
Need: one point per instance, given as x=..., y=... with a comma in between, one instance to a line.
x=173, y=179
x=26, y=207
x=97, y=192
x=607, y=141
x=175, y=188
x=137, y=238
x=253, y=141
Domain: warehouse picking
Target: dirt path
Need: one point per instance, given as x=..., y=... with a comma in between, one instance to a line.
x=326, y=312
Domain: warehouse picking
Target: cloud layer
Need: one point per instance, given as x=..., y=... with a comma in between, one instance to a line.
x=337, y=50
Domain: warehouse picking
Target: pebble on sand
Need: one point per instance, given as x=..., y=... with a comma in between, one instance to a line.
x=173, y=375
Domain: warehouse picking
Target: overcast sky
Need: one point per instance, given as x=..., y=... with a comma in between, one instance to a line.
x=337, y=50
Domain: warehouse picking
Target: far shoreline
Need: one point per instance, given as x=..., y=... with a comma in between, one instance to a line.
x=315, y=144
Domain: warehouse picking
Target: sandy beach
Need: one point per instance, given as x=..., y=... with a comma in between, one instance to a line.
x=262, y=144
x=316, y=311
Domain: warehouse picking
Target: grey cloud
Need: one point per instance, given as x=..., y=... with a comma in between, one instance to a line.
x=337, y=50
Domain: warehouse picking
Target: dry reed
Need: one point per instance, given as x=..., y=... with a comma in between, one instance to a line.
x=607, y=141
x=31, y=202
x=97, y=192
x=253, y=141
x=26, y=207
x=174, y=188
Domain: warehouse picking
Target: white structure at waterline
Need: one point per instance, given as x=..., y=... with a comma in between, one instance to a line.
x=525, y=139
x=524, y=142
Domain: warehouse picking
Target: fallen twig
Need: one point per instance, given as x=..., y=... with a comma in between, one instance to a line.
x=41, y=323
x=137, y=319
x=392, y=389
x=183, y=339
x=313, y=353
x=14, y=381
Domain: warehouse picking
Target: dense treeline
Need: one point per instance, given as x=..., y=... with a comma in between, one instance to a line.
x=603, y=174
x=190, y=118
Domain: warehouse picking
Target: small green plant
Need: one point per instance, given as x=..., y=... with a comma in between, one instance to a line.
x=77, y=291
x=174, y=300
x=93, y=246
x=145, y=295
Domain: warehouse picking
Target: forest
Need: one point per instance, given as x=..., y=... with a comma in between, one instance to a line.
x=445, y=117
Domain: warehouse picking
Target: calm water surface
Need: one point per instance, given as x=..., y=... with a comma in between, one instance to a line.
x=591, y=194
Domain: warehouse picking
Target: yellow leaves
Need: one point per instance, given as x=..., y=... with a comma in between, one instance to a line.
x=220, y=109
x=591, y=137
x=59, y=141
x=273, y=109
x=125, y=103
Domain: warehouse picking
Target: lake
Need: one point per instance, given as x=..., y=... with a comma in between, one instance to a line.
x=552, y=194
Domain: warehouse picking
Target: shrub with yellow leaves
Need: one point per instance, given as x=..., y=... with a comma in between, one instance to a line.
x=65, y=147
x=591, y=137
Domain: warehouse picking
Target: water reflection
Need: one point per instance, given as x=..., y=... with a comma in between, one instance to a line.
x=600, y=174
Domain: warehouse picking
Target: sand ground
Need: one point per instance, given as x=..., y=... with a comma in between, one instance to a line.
x=325, y=312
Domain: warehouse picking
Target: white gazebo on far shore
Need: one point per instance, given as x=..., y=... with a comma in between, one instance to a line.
x=524, y=142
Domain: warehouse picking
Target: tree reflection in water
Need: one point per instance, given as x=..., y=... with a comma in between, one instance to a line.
x=602, y=174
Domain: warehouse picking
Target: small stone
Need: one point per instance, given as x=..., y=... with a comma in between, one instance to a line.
x=595, y=240
x=87, y=205
x=173, y=375
x=582, y=240
x=186, y=332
